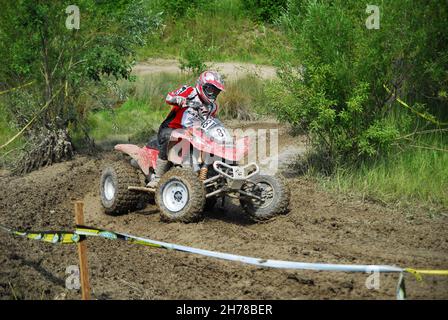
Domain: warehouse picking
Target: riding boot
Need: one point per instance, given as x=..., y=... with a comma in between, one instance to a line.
x=162, y=166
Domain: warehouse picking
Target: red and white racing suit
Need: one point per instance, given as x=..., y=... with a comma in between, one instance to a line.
x=181, y=116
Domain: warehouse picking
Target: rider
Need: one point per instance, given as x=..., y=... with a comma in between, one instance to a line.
x=183, y=115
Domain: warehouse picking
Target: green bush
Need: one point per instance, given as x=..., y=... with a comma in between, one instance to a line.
x=179, y=8
x=265, y=10
x=192, y=60
x=333, y=88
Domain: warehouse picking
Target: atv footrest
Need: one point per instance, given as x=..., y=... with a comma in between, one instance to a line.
x=142, y=189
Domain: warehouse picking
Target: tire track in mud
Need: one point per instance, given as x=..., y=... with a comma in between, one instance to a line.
x=320, y=227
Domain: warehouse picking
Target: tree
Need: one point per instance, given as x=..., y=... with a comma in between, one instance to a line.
x=70, y=68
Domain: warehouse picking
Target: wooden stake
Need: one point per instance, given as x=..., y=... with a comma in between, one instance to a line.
x=82, y=254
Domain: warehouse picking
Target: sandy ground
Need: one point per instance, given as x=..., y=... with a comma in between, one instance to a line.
x=320, y=227
x=231, y=70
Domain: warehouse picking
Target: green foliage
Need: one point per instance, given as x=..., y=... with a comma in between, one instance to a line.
x=125, y=123
x=243, y=100
x=265, y=10
x=7, y=130
x=219, y=31
x=142, y=113
x=333, y=88
x=179, y=8
x=69, y=65
x=193, y=60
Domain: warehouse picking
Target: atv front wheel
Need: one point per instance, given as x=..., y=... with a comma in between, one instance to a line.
x=115, y=196
x=180, y=196
x=274, y=194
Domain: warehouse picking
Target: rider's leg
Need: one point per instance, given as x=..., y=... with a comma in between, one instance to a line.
x=162, y=164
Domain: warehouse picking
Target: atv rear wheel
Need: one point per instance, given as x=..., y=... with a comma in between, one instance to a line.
x=275, y=196
x=115, y=196
x=180, y=196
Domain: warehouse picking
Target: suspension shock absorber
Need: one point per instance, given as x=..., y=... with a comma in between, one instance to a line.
x=204, y=169
x=203, y=173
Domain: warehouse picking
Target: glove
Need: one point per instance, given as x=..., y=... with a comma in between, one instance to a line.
x=181, y=101
x=194, y=104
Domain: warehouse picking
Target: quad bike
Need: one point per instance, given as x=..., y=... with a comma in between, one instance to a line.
x=204, y=167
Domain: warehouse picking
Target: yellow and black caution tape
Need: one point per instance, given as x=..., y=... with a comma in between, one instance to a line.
x=82, y=231
x=94, y=232
x=61, y=237
x=17, y=88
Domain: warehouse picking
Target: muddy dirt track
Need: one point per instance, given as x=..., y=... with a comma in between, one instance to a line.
x=319, y=228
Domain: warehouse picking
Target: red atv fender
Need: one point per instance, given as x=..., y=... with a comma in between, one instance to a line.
x=201, y=142
x=146, y=157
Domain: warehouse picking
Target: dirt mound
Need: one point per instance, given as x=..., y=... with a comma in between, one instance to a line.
x=319, y=228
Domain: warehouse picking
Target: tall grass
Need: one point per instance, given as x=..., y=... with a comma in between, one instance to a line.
x=125, y=123
x=244, y=99
x=412, y=176
x=141, y=114
x=7, y=131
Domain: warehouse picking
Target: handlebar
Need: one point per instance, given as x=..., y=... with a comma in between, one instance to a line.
x=197, y=106
x=194, y=104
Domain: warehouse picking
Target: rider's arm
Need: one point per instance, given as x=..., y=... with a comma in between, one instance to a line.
x=179, y=96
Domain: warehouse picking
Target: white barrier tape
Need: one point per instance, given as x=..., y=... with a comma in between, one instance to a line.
x=278, y=264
